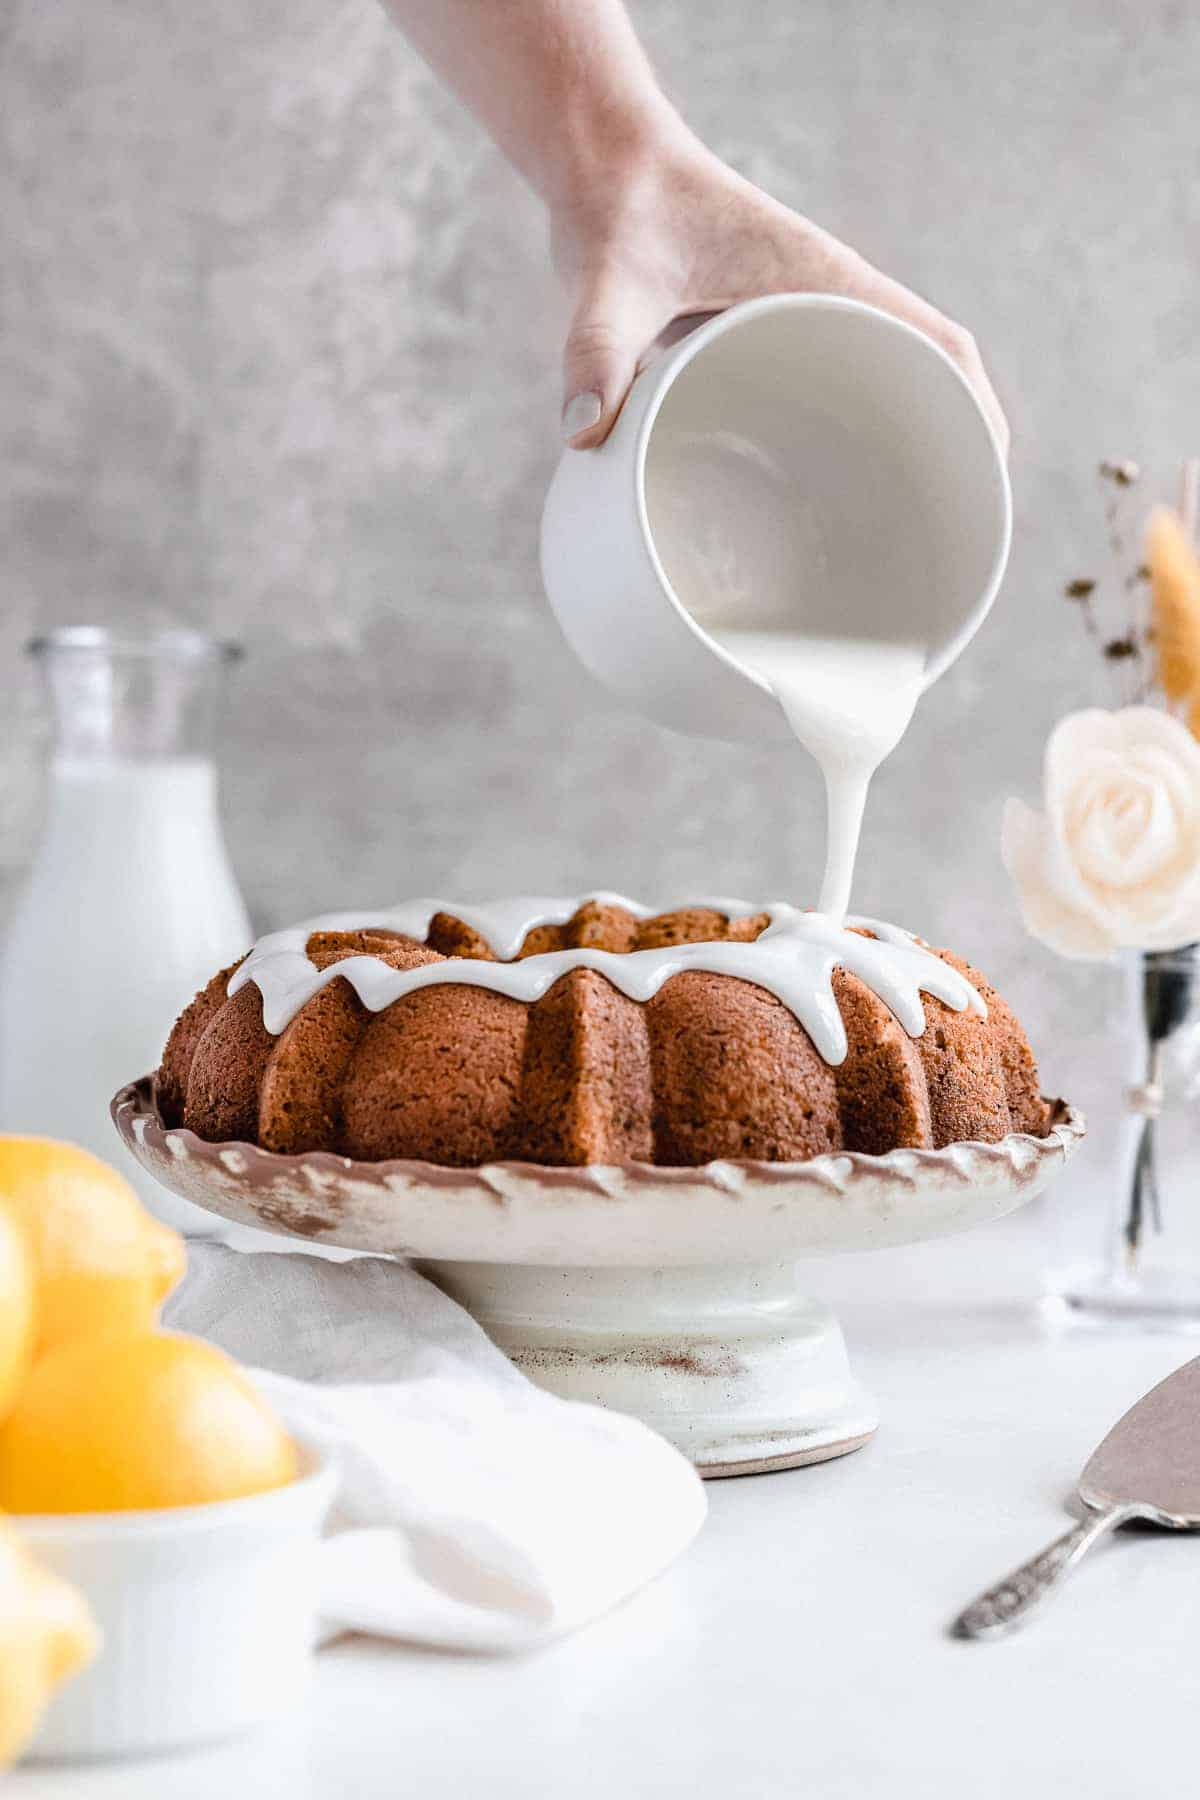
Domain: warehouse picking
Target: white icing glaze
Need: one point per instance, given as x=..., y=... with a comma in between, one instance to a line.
x=794, y=959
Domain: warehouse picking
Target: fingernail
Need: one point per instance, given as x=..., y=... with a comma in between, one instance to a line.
x=580, y=414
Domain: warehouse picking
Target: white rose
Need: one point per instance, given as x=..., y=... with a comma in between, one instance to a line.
x=1115, y=859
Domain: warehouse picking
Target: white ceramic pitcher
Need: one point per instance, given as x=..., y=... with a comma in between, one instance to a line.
x=820, y=461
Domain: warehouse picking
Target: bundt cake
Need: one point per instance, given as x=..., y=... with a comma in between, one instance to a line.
x=569, y=1032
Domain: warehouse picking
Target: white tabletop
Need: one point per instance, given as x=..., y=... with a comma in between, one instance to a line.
x=800, y=1645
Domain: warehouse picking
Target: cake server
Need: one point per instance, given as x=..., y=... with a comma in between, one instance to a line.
x=1148, y=1467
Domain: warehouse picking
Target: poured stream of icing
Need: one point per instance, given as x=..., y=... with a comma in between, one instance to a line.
x=849, y=702
x=794, y=959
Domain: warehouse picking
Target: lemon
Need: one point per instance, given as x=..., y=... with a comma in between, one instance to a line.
x=46, y=1633
x=101, y=1261
x=16, y=1307
x=136, y=1419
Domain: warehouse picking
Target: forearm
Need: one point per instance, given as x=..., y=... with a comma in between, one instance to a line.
x=563, y=86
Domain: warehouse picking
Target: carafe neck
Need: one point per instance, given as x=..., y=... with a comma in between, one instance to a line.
x=152, y=697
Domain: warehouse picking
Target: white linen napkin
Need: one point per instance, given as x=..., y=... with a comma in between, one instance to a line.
x=476, y=1511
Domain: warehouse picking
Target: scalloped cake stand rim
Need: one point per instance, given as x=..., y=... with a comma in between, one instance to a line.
x=619, y=1216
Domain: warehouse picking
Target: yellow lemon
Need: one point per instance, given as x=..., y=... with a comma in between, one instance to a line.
x=101, y=1261
x=138, y=1419
x=16, y=1307
x=46, y=1633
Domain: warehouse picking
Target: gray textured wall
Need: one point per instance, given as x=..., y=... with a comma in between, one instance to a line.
x=279, y=355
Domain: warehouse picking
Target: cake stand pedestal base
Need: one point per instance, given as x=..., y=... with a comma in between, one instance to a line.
x=667, y=1293
x=733, y=1366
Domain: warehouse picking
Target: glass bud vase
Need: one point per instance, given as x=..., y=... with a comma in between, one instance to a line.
x=131, y=904
x=1146, y=1270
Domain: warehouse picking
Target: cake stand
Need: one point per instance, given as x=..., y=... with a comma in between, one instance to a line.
x=667, y=1293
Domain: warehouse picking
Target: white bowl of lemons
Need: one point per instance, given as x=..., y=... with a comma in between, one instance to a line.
x=157, y=1564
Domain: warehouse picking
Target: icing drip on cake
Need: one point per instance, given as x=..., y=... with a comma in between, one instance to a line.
x=794, y=959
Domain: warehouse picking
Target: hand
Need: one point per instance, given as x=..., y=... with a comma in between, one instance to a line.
x=673, y=232
x=649, y=227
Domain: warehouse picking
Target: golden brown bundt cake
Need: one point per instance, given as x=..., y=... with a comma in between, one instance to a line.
x=711, y=1066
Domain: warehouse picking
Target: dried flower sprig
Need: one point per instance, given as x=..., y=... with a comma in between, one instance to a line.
x=1128, y=646
x=1175, y=596
x=1158, y=647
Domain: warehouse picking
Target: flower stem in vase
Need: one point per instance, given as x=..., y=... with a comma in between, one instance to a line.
x=1166, y=992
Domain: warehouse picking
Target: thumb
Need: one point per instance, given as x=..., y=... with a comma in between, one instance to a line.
x=599, y=362
x=598, y=367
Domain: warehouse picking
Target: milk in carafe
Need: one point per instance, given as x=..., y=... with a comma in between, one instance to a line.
x=131, y=903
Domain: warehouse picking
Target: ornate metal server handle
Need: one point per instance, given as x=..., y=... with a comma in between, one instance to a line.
x=1010, y=1602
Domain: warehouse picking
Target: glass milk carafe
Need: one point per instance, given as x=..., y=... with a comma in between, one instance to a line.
x=131, y=904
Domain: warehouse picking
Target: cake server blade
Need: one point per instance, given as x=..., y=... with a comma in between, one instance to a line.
x=1148, y=1467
